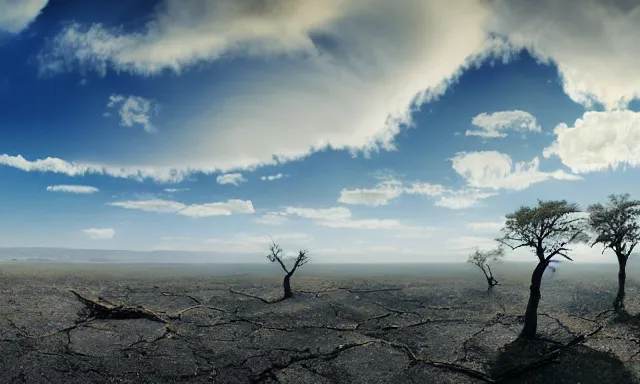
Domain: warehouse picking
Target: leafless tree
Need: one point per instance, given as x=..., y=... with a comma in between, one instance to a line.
x=484, y=259
x=547, y=229
x=276, y=254
x=615, y=226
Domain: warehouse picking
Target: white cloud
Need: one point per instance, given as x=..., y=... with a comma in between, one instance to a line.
x=56, y=165
x=354, y=90
x=340, y=217
x=231, y=178
x=16, y=15
x=227, y=208
x=272, y=177
x=361, y=223
x=84, y=189
x=493, y=125
x=598, y=141
x=495, y=170
x=272, y=218
x=176, y=190
x=590, y=42
x=155, y=205
x=326, y=214
x=134, y=110
x=391, y=188
x=100, y=233
x=380, y=195
x=386, y=191
x=425, y=189
x=485, y=226
x=462, y=199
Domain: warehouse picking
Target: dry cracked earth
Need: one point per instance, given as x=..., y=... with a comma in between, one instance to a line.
x=225, y=330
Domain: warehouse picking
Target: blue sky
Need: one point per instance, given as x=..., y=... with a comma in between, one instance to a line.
x=357, y=129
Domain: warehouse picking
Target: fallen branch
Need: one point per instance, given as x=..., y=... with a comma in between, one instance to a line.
x=459, y=368
x=104, y=310
x=548, y=357
x=370, y=290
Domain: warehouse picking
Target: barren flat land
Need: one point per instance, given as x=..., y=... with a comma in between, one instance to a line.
x=345, y=324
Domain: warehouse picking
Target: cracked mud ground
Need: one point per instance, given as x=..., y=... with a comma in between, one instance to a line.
x=335, y=330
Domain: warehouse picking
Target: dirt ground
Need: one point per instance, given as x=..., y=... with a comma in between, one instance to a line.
x=342, y=330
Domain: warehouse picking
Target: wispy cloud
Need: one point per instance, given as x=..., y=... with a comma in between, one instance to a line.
x=100, y=233
x=134, y=110
x=386, y=191
x=272, y=218
x=230, y=207
x=341, y=217
x=176, y=190
x=390, y=189
x=57, y=165
x=463, y=198
x=79, y=189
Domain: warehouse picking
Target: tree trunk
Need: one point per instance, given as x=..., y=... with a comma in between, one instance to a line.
x=618, y=303
x=287, y=286
x=531, y=315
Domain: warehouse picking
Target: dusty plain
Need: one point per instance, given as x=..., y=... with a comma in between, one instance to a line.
x=433, y=327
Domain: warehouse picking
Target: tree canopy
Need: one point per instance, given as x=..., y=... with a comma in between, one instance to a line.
x=615, y=225
x=485, y=258
x=547, y=228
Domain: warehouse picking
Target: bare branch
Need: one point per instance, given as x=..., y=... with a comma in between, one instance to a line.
x=275, y=255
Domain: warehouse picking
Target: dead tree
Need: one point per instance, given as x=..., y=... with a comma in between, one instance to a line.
x=484, y=259
x=276, y=255
x=547, y=229
x=615, y=226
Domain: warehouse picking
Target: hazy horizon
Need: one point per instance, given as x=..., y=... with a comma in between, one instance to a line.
x=96, y=256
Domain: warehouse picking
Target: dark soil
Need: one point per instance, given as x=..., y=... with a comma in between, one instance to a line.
x=197, y=330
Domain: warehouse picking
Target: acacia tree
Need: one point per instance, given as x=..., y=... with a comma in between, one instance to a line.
x=276, y=254
x=484, y=259
x=615, y=226
x=547, y=229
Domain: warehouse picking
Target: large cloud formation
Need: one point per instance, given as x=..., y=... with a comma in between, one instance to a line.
x=349, y=76
x=349, y=73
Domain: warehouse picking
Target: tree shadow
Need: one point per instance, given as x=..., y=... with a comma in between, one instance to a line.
x=625, y=317
x=534, y=362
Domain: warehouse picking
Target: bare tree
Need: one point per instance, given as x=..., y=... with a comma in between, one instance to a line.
x=547, y=229
x=615, y=226
x=484, y=259
x=276, y=254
